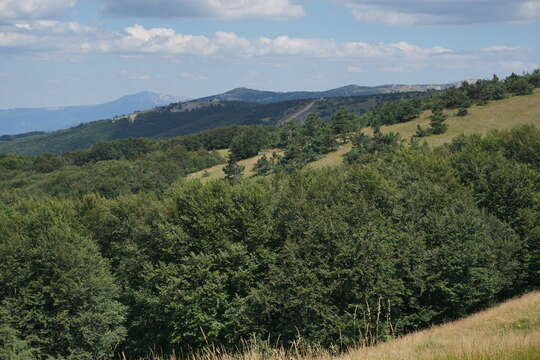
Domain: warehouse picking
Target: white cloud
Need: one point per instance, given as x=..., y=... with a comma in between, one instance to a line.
x=32, y=9
x=45, y=36
x=223, y=9
x=137, y=39
x=430, y=12
x=44, y=39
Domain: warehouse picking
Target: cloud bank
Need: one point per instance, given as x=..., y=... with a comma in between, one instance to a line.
x=437, y=12
x=44, y=38
x=33, y=9
x=222, y=9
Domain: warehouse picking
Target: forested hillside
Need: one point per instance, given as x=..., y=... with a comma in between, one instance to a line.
x=111, y=252
x=186, y=118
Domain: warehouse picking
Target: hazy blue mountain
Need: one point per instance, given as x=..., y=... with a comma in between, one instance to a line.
x=266, y=97
x=16, y=121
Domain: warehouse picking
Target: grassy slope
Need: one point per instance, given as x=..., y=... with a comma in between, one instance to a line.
x=497, y=115
x=503, y=114
x=508, y=331
x=216, y=172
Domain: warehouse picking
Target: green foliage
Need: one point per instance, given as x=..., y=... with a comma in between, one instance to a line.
x=422, y=132
x=518, y=85
x=12, y=347
x=108, y=251
x=436, y=122
x=142, y=166
x=304, y=144
x=462, y=112
x=502, y=171
x=344, y=124
x=378, y=143
x=453, y=98
x=56, y=291
x=396, y=112
x=534, y=78
x=264, y=166
x=249, y=142
x=233, y=171
x=401, y=239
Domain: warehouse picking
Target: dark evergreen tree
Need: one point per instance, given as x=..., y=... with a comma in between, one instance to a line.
x=233, y=171
x=436, y=122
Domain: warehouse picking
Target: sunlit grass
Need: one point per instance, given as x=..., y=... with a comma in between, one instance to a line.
x=216, y=172
x=496, y=115
x=509, y=331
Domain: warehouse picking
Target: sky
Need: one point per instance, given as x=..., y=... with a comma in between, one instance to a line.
x=75, y=52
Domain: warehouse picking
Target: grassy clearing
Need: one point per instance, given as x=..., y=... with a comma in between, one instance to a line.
x=509, y=331
x=497, y=115
x=216, y=172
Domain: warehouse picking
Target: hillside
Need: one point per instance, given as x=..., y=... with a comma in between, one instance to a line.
x=508, y=331
x=497, y=115
x=21, y=120
x=303, y=264
x=186, y=118
x=264, y=97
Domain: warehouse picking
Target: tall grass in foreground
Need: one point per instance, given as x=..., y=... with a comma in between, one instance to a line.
x=510, y=331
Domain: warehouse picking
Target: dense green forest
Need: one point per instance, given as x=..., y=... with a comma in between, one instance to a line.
x=111, y=250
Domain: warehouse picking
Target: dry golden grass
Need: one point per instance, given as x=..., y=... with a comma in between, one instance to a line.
x=216, y=172
x=510, y=331
x=497, y=115
x=331, y=159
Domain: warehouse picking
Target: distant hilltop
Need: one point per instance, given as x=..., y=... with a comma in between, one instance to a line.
x=16, y=121
x=265, y=97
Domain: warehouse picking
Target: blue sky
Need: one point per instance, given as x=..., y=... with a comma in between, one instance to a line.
x=67, y=52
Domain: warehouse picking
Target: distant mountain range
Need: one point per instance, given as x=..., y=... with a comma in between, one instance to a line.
x=24, y=120
x=187, y=118
x=16, y=121
x=266, y=97
x=154, y=115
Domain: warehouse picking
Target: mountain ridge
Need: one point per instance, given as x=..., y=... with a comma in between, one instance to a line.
x=267, y=96
x=186, y=118
x=21, y=120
